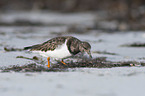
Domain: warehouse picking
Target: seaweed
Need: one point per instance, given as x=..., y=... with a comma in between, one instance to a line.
x=100, y=62
x=104, y=52
x=12, y=49
x=30, y=68
x=34, y=58
x=136, y=44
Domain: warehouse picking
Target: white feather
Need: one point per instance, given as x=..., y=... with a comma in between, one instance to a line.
x=60, y=52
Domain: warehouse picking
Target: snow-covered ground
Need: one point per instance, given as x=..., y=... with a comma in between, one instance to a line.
x=82, y=82
x=125, y=81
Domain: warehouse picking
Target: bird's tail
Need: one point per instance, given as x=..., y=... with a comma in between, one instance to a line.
x=31, y=47
x=26, y=48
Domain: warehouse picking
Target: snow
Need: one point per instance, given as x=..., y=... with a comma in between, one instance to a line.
x=83, y=82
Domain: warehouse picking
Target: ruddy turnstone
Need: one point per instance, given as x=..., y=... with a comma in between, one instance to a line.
x=60, y=47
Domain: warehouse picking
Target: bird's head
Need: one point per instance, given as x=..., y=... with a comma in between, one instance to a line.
x=85, y=47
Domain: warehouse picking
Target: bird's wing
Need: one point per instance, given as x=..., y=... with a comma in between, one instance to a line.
x=48, y=45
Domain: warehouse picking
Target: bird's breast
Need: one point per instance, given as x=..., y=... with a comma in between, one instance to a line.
x=60, y=52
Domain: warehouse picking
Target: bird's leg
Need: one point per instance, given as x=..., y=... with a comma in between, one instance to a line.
x=63, y=62
x=48, y=59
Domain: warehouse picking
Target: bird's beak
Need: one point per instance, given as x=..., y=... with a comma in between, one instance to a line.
x=89, y=53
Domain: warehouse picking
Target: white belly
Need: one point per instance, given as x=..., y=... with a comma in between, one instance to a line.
x=60, y=52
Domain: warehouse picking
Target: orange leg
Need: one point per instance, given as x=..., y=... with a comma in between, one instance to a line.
x=48, y=59
x=63, y=62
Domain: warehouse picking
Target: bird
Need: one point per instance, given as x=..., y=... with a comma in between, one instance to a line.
x=61, y=47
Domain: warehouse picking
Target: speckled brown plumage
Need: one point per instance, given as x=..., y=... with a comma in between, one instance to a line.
x=48, y=45
x=73, y=44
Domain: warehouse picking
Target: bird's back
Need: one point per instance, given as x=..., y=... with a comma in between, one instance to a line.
x=48, y=45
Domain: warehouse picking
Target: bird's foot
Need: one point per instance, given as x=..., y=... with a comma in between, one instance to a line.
x=63, y=62
x=48, y=59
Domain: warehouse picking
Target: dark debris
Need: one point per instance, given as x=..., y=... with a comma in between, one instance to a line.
x=104, y=52
x=30, y=68
x=12, y=49
x=59, y=67
x=136, y=44
x=34, y=58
